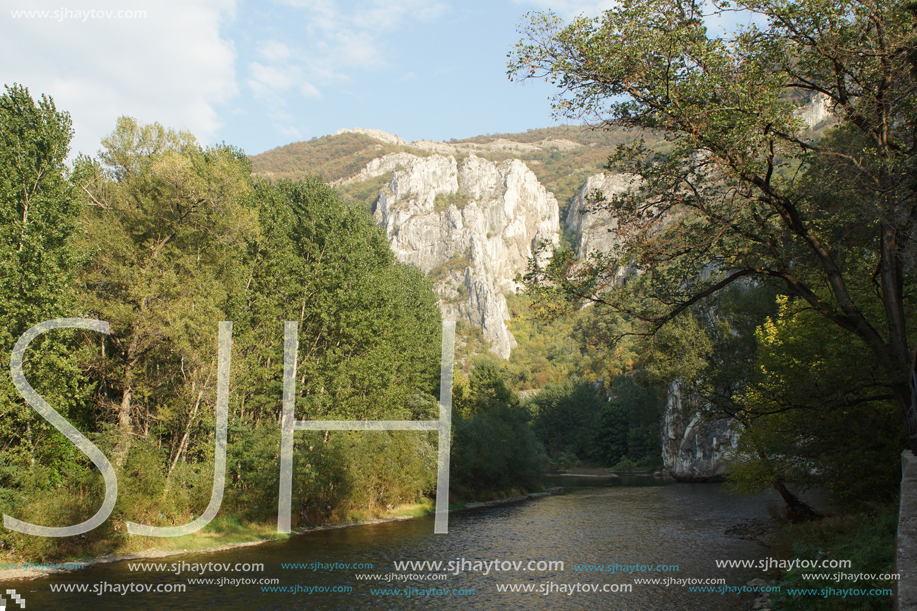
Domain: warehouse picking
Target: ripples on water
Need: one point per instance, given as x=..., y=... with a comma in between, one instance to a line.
x=632, y=521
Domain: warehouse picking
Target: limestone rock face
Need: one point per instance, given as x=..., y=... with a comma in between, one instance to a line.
x=378, y=134
x=378, y=167
x=592, y=227
x=693, y=450
x=817, y=111
x=471, y=227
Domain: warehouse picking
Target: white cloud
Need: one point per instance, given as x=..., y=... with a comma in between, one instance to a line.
x=271, y=82
x=391, y=14
x=267, y=81
x=342, y=39
x=331, y=44
x=170, y=65
x=309, y=90
x=273, y=50
x=288, y=130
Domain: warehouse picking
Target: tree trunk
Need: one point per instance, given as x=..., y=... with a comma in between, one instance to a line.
x=184, y=439
x=125, y=420
x=796, y=510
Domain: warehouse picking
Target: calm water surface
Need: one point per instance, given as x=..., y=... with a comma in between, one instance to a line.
x=629, y=521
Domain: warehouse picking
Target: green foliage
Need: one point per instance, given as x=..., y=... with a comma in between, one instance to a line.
x=867, y=540
x=174, y=238
x=443, y=201
x=469, y=345
x=335, y=476
x=363, y=193
x=549, y=349
x=562, y=353
x=166, y=226
x=493, y=447
x=741, y=191
x=253, y=469
x=488, y=388
x=369, y=326
x=386, y=469
x=495, y=450
x=610, y=434
x=456, y=265
x=564, y=461
x=814, y=413
x=626, y=465
x=628, y=426
x=564, y=416
x=39, y=213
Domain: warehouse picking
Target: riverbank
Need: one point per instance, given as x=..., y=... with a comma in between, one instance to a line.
x=197, y=543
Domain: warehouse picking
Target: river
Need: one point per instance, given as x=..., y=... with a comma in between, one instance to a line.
x=629, y=521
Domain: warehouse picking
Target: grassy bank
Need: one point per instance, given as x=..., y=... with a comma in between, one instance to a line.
x=866, y=540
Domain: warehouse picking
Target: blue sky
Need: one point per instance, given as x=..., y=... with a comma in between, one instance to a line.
x=263, y=74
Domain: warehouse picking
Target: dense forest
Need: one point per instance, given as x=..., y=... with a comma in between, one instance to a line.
x=163, y=238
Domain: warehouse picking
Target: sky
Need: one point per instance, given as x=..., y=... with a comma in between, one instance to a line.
x=259, y=75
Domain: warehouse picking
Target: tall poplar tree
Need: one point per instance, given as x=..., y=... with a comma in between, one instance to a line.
x=38, y=220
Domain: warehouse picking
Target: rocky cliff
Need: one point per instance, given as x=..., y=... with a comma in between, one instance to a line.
x=693, y=449
x=471, y=226
x=816, y=111
x=592, y=227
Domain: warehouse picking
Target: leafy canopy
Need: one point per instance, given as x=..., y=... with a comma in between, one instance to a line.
x=743, y=190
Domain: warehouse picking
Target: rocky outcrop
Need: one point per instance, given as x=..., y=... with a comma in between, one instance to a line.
x=378, y=167
x=816, y=111
x=694, y=449
x=378, y=134
x=593, y=226
x=499, y=145
x=471, y=227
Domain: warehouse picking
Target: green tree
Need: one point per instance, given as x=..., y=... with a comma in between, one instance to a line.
x=166, y=226
x=488, y=388
x=628, y=425
x=827, y=423
x=39, y=218
x=564, y=414
x=493, y=447
x=743, y=191
x=369, y=348
x=369, y=326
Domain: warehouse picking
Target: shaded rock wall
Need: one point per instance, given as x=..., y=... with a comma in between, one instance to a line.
x=693, y=450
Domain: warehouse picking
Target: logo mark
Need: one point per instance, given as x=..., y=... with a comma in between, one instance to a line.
x=15, y=597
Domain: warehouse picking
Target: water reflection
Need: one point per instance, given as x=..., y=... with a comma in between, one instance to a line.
x=628, y=521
